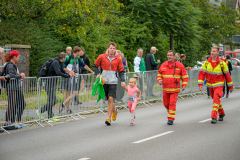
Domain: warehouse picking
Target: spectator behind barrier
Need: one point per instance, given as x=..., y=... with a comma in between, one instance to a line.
x=55, y=69
x=140, y=67
x=177, y=57
x=2, y=77
x=120, y=89
x=69, y=50
x=230, y=69
x=182, y=58
x=16, y=102
x=151, y=64
x=1, y=56
x=72, y=65
x=82, y=70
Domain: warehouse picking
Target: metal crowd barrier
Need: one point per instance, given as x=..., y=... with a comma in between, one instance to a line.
x=23, y=101
x=18, y=102
x=75, y=93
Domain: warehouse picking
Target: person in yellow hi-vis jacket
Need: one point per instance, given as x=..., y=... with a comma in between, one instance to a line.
x=216, y=72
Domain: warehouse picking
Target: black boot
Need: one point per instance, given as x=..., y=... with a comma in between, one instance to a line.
x=221, y=117
x=214, y=121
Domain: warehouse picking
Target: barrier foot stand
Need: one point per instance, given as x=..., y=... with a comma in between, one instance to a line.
x=126, y=107
x=160, y=99
x=71, y=116
x=147, y=103
x=39, y=124
x=76, y=114
x=180, y=97
x=195, y=94
x=99, y=110
x=192, y=95
x=46, y=122
x=5, y=130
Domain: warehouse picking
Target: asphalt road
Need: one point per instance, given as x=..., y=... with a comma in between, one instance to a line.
x=191, y=137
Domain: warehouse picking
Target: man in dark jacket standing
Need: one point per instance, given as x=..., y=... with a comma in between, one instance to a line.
x=55, y=69
x=151, y=65
x=82, y=70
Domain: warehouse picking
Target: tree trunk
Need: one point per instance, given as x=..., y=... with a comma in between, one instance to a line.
x=171, y=42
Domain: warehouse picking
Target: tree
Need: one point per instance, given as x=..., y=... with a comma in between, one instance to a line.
x=177, y=19
x=218, y=24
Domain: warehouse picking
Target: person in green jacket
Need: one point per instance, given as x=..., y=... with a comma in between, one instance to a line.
x=139, y=68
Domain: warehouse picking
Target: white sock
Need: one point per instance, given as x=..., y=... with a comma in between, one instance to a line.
x=132, y=115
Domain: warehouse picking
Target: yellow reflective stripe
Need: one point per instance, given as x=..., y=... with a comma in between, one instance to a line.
x=215, y=84
x=159, y=75
x=171, y=116
x=200, y=81
x=185, y=77
x=168, y=89
x=185, y=83
x=170, y=111
x=220, y=107
x=214, y=104
x=177, y=68
x=171, y=76
x=215, y=109
x=229, y=83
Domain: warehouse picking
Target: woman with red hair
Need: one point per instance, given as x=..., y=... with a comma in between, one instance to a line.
x=16, y=102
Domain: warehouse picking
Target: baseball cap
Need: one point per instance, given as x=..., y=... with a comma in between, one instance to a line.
x=14, y=53
x=153, y=49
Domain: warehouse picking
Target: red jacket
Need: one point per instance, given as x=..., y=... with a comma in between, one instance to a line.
x=171, y=74
x=109, y=68
x=215, y=76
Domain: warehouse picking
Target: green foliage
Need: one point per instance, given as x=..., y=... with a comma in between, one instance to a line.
x=218, y=24
x=49, y=26
x=43, y=44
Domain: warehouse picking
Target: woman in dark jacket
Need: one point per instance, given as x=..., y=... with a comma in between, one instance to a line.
x=230, y=69
x=16, y=102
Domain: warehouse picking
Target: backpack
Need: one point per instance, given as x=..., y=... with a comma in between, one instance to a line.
x=43, y=70
x=4, y=73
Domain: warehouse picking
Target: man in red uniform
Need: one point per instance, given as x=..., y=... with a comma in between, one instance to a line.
x=216, y=72
x=169, y=76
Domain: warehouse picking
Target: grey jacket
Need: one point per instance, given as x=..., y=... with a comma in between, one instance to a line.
x=15, y=77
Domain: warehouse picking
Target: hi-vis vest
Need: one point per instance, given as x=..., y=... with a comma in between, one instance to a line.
x=215, y=76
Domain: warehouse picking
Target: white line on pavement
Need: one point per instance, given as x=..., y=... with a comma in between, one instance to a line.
x=84, y=158
x=205, y=120
x=159, y=135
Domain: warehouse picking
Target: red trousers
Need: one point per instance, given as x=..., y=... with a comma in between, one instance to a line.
x=216, y=94
x=169, y=101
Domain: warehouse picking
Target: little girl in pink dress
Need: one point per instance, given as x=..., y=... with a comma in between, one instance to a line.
x=132, y=97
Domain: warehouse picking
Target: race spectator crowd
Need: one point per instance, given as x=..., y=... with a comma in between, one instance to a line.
x=112, y=66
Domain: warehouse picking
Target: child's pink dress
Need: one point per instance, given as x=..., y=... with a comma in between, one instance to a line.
x=132, y=98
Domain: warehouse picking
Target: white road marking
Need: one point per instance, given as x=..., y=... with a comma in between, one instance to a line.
x=205, y=120
x=84, y=158
x=159, y=135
